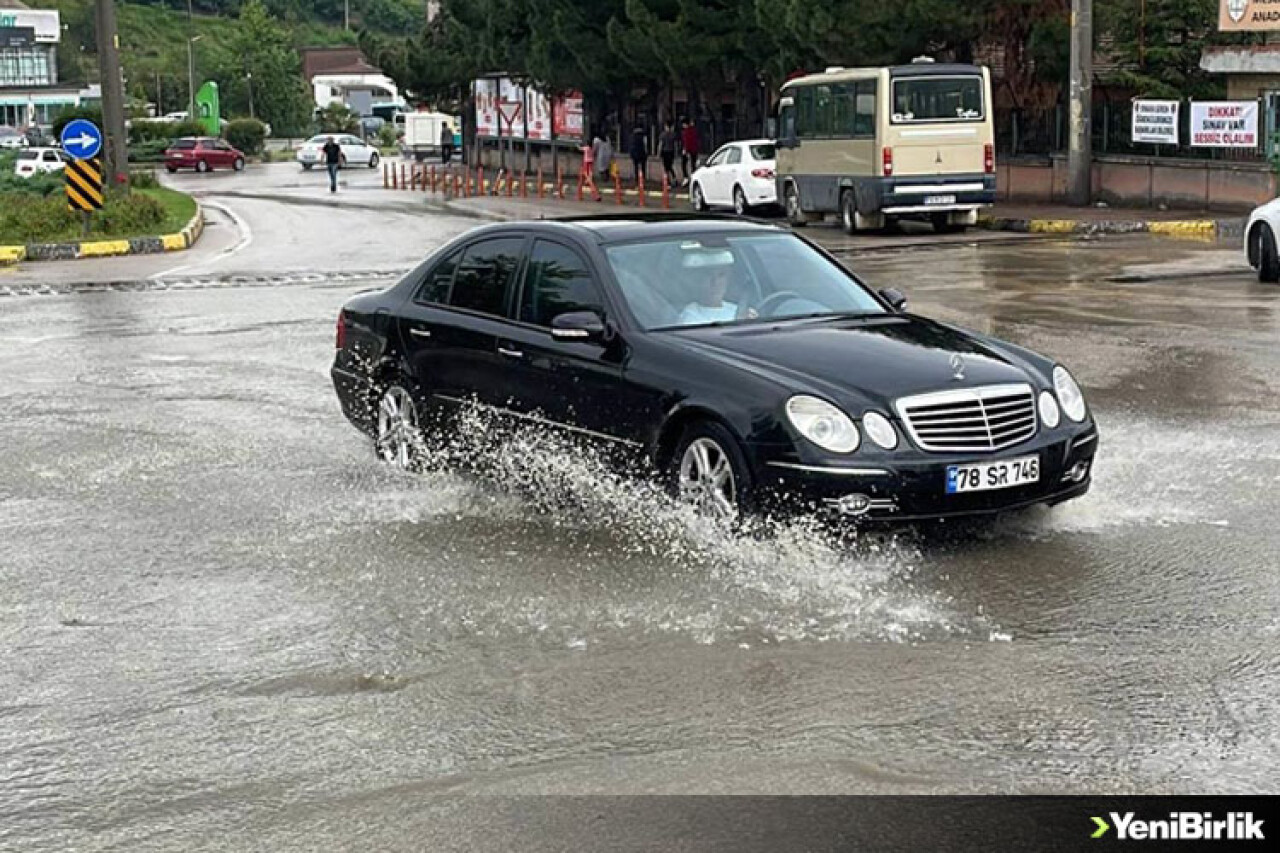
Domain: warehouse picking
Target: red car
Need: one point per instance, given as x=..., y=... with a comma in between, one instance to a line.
x=202, y=153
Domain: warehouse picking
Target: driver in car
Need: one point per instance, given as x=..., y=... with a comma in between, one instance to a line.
x=712, y=271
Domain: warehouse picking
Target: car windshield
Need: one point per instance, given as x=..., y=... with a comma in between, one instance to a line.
x=712, y=279
x=320, y=140
x=764, y=152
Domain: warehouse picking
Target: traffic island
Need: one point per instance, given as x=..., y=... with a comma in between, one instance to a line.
x=1096, y=221
x=179, y=207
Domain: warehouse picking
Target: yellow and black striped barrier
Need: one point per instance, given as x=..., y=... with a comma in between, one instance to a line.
x=83, y=179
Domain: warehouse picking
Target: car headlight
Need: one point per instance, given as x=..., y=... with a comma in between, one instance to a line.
x=823, y=424
x=880, y=430
x=1050, y=414
x=1069, y=395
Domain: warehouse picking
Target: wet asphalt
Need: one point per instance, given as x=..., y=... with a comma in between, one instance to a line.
x=228, y=628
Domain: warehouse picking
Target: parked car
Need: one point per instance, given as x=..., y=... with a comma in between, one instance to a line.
x=745, y=363
x=740, y=175
x=202, y=153
x=12, y=138
x=1260, y=242
x=33, y=161
x=356, y=151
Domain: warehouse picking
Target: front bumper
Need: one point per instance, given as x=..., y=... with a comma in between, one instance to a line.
x=910, y=485
x=920, y=195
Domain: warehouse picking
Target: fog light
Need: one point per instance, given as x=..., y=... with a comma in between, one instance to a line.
x=854, y=505
x=1077, y=473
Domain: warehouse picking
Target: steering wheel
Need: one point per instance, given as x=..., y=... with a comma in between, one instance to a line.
x=765, y=308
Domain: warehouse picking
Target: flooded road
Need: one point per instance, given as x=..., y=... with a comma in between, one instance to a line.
x=229, y=628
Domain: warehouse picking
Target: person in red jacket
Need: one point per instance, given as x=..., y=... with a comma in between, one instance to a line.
x=688, y=148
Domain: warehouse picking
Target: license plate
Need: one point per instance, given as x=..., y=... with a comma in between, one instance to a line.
x=990, y=476
x=939, y=199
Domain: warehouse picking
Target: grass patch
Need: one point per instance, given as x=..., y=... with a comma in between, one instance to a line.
x=26, y=218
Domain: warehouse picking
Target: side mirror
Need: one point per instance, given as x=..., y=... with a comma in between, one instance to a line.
x=896, y=298
x=579, y=326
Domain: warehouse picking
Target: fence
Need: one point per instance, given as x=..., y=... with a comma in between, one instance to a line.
x=1044, y=131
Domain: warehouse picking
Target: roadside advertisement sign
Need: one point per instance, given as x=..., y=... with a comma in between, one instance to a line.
x=566, y=116
x=1224, y=124
x=507, y=109
x=1248, y=16
x=1155, y=122
x=486, y=97
x=16, y=37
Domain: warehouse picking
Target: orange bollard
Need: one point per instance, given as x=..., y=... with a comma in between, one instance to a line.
x=539, y=182
x=480, y=172
x=386, y=183
x=559, y=183
x=580, y=181
x=617, y=188
x=457, y=188
x=402, y=183
x=433, y=178
x=394, y=185
x=511, y=184
x=640, y=191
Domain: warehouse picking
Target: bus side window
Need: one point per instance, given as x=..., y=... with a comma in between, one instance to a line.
x=864, y=119
x=787, y=123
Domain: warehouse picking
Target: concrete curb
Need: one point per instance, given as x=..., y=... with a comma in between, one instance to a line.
x=184, y=239
x=1190, y=229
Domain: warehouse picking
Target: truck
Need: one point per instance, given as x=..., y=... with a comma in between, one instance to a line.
x=422, y=134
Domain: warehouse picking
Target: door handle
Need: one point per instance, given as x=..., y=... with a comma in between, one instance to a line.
x=510, y=353
x=420, y=333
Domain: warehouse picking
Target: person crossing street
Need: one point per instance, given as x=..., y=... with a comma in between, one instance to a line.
x=333, y=160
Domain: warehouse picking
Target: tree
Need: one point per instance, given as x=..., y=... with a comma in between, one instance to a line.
x=1159, y=44
x=262, y=49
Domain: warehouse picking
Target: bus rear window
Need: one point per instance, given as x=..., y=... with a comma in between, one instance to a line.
x=934, y=99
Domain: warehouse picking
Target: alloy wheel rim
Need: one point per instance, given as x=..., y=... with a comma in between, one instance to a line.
x=793, y=203
x=698, y=202
x=707, y=481
x=739, y=203
x=397, y=427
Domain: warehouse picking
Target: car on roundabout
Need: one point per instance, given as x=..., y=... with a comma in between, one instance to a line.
x=740, y=175
x=203, y=154
x=741, y=362
x=355, y=151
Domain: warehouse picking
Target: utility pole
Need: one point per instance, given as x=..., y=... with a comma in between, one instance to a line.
x=117, y=143
x=1080, y=144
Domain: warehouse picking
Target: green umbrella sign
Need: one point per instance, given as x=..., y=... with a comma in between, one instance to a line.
x=208, y=111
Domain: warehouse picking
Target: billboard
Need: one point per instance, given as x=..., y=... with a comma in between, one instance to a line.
x=1248, y=16
x=566, y=116
x=1155, y=122
x=45, y=22
x=1224, y=124
x=507, y=109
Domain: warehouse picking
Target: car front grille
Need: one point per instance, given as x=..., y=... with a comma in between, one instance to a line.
x=972, y=420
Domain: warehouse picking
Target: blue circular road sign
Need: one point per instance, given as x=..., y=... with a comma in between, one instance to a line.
x=81, y=139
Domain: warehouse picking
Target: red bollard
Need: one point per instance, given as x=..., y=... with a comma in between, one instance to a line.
x=480, y=172
x=433, y=178
x=511, y=184
x=559, y=183
x=457, y=185
x=394, y=185
x=617, y=187
x=539, y=182
x=640, y=190
x=580, y=181
x=402, y=183
x=386, y=183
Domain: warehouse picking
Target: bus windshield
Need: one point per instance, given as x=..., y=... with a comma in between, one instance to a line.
x=937, y=99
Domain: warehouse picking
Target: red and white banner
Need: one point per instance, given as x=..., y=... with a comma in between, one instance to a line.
x=566, y=117
x=506, y=109
x=1224, y=124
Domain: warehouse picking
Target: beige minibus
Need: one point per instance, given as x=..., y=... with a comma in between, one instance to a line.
x=875, y=145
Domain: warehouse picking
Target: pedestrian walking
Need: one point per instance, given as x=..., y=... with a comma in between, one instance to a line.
x=446, y=143
x=602, y=150
x=639, y=152
x=688, y=148
x=333, y=160
x=587, y=177
x=667, y=144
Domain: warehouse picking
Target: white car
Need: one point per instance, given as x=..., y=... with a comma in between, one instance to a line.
x=1261, y=237
x=357, y=152
x=741, y=175
x=32, y=161
x=11, y=138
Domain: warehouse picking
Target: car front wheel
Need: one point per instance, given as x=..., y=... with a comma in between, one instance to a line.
x=1268, y=256
x=698, y=199
x=398, y=440
x=238, y=165
x=710, y=472
x=202, y=165
x=373, y=160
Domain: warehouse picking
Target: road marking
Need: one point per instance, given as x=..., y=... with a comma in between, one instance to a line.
x=241, y=226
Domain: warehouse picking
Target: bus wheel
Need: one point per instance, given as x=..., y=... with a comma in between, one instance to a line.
x=795, y=216
x=943, y=224
x=849, y=212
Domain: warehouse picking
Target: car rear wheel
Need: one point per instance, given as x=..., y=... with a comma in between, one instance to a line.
x=238, y=165
x=740, y=206
x=791, y=201
x=306, y=167
x=397, y=439
x=710, y=472
x=202, y=166
x=1268, y=257
x=373, y=160
x=849, y=212
x=698, y=199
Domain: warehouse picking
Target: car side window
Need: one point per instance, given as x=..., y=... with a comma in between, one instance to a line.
x=484, y=275
x=556, y=282
x=50, y=157
x=438, y=281
x=717, y=158
x=734, y=157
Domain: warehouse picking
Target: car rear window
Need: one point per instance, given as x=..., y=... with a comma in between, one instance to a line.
x=184, y=144
x=28, y=155
x=764, y=152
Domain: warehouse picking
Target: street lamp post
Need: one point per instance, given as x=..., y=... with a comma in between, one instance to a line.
x=191, y=78
x=248, y=76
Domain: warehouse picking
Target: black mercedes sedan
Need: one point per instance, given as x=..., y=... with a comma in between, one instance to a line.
x=742, y=361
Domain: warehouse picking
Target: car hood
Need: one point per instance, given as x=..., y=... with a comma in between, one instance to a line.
x=868, y=361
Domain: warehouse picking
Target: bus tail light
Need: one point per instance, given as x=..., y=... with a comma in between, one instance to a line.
x=989, y=158
x=888, y=162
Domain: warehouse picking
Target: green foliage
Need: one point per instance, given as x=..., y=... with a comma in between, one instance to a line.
x=263, y=49
x=387, y=136
x=143, y=179
x=70, y=114
x=38, y=185
x=30, y=218
x=187, y=128
x=1160, y=50
x=337, y=118
x=247, y=134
